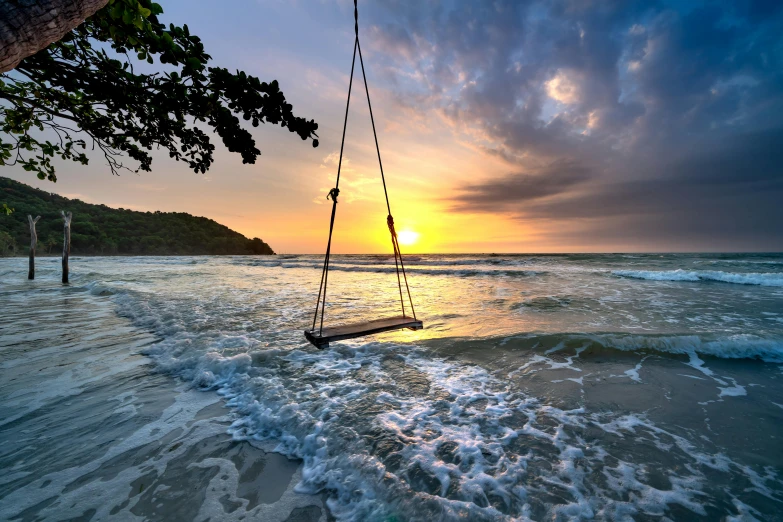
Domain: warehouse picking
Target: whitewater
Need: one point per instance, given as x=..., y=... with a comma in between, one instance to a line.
x=543, y=387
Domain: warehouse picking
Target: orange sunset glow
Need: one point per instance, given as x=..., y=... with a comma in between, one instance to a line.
x=478, y=157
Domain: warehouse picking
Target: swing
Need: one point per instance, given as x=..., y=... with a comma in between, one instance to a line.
x=321, y=337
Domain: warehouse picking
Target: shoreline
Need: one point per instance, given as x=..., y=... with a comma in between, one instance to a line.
x=567, y=389
x=103, y=414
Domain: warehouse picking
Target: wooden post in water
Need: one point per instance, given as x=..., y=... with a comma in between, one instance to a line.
x=66, y=242
x=33, y=241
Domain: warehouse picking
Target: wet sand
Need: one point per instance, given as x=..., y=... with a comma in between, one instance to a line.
x=89, y=427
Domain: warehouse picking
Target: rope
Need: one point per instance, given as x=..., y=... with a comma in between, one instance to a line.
x=333, y=193
x=372, y=120
x=390, y=223
x=389, y=218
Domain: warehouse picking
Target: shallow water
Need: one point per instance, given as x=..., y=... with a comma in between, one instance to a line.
x=609, y=387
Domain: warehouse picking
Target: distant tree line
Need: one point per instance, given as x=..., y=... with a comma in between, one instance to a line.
x=100, y=230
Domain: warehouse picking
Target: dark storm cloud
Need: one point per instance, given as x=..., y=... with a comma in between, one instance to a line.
x=516, y=189
x=608, y=108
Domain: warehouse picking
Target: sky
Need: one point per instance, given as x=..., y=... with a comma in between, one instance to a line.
x=504, y=126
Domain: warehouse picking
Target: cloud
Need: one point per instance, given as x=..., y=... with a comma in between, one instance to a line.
x=563, y=87
x=517, y=189
x=617, y=109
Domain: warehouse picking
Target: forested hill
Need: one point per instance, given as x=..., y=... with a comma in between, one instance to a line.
x=100, y=230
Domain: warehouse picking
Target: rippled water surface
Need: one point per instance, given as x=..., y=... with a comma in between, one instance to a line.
x=608, y=387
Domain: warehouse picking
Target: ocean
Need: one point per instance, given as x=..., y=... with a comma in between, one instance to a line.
x=543, y=387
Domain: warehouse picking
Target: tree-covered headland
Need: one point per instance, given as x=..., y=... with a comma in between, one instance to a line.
x=100, y=230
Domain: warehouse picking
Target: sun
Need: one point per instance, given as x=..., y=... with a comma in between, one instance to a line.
x=407, y=237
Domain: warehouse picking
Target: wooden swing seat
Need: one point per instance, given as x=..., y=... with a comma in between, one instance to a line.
x=321, y=338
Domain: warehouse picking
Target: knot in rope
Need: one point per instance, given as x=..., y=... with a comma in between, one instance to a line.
x=333, y=194
x=390, y=223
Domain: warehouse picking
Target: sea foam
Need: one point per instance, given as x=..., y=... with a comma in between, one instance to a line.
x=741, y=346
x=750, y=278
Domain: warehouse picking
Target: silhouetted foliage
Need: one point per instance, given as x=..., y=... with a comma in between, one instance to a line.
x=75, y=89
x=100, y=230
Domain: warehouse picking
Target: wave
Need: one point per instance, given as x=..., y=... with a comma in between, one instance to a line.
x=491, y=261
x=744, y=262
x=385, y=429
x=464, y=272
x=412, y=261
x=99, y=289
x=750, y=278
x=389, y=268
x=543, y=303
x=741, y=346
x=608, y=345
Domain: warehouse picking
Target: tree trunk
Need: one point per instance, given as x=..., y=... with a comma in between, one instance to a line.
x=27, y=26
x=66, y=243
x=33, y=241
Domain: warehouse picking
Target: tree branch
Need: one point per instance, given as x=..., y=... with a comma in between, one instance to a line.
x=19, y=100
